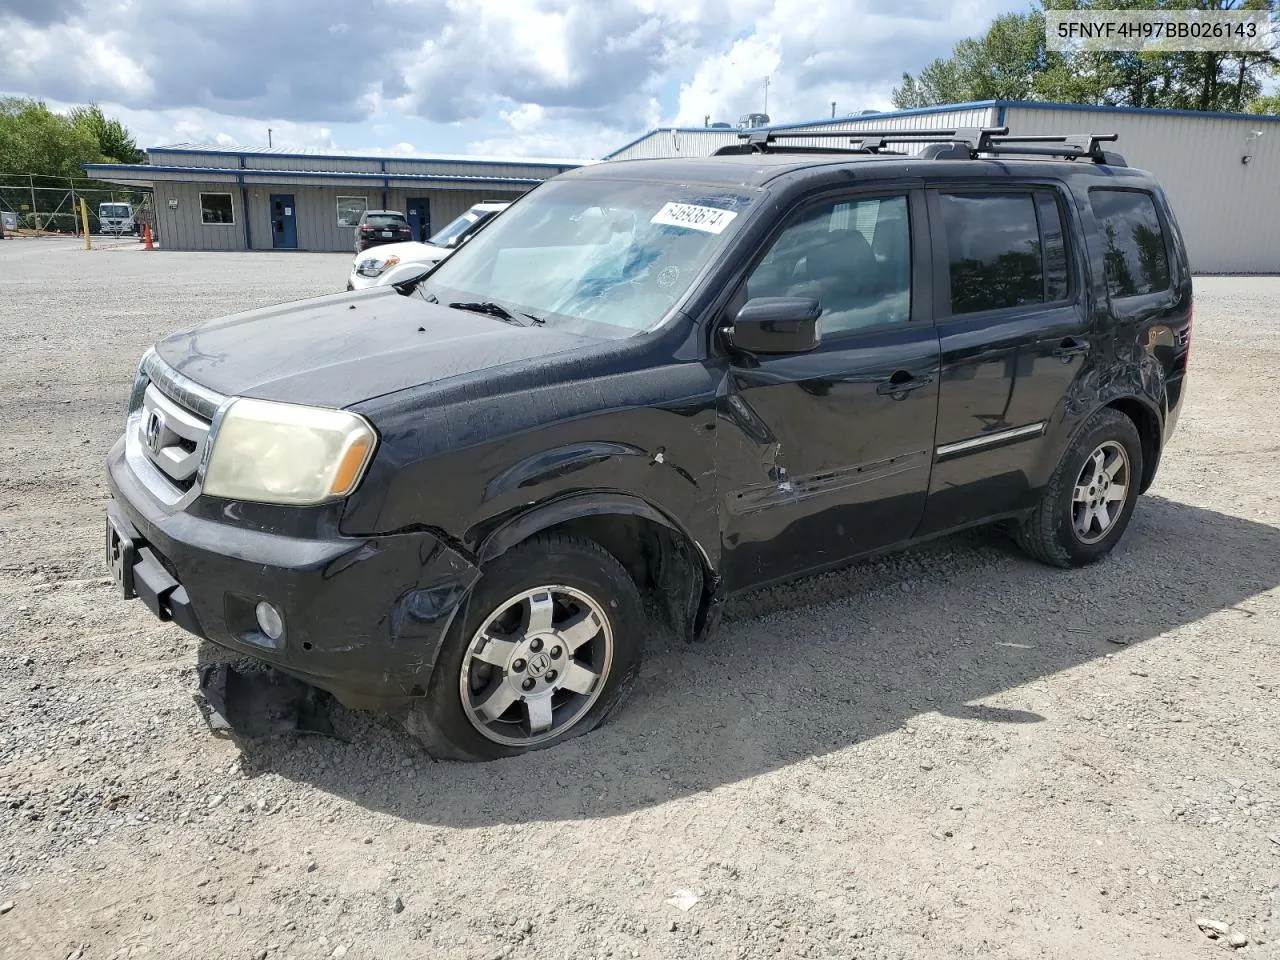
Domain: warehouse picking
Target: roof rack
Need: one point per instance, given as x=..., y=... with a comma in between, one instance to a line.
x=959, y=143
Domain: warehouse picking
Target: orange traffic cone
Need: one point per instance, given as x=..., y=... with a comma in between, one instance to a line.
x=146, y=229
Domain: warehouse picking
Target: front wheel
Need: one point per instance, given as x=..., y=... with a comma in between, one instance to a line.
x=1087, y=503
x=547, y=647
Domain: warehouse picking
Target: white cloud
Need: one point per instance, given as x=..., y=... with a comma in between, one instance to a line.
x=527, y=77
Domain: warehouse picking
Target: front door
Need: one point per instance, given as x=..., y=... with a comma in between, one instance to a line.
x=1013, y=327
x=826, y=455
x=284, y=224
x=420, y=218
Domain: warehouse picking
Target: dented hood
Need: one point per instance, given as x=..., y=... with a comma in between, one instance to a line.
x=339, y=350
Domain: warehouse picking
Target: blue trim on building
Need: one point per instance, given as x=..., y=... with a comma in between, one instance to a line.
x=199, y=151
x=144, y=168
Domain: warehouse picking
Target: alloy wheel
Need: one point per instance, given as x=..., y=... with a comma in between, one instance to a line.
x=536, y=666
x=1100, y=492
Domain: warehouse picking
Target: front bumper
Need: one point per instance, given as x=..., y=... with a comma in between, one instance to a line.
x=364, y=617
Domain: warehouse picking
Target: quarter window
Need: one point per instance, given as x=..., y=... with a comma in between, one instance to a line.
x=350, y=209
x=853, y=257
x=216, y=208
x=1134, y=254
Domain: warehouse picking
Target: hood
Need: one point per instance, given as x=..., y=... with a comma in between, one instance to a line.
x=336, y=351
x=409, y=251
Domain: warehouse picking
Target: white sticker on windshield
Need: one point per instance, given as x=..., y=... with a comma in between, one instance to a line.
x=693, y=217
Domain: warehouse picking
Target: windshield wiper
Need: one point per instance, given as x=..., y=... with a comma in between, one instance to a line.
x=491, y=309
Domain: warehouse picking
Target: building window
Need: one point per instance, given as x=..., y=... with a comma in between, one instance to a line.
x=216, y=208
x=350, y=209
x=1135, y=258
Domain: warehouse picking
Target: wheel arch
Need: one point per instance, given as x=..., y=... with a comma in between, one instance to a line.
x=1148, y=423
x=667, y=562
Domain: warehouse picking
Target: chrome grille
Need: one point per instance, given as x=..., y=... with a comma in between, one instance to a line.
x=170, y=421
x=172, y=437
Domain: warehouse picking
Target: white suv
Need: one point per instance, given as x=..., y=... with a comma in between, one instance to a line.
x=393, y=262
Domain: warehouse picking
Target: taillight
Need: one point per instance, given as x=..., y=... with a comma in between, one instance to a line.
x=1186, y=336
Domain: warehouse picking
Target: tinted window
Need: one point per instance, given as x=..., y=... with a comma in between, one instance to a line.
x=853, y=257
x=385, y=220
x=1055, y=248
x=1134, y=253
x=993, y=243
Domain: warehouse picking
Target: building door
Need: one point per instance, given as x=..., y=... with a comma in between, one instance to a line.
x=420, y=218
x=284, y=224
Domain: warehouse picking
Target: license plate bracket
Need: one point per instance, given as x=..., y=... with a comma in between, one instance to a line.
x=122, y=554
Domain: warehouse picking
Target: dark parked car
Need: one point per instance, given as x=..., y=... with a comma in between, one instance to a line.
x=381, y=226
x=683, y=378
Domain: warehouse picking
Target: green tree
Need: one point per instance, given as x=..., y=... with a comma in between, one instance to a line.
x=1267, y=105
x=1001, y=64
x=1010, y=61
x=115, y=143
x=34, y=139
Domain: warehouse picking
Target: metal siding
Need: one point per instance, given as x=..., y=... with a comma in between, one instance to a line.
x=165, y=159
x=259, y=161
x=1229, y=212
x=704, y=142
x=182, y=229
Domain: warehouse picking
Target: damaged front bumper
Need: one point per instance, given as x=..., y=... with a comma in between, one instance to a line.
x=363, y=617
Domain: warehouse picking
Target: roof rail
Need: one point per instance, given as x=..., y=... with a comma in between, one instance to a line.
x=953, y=144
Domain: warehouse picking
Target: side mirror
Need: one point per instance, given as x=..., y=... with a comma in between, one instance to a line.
x=777, y=325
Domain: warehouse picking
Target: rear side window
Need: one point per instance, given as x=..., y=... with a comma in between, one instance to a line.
x=1134, y=253
x=996, y=253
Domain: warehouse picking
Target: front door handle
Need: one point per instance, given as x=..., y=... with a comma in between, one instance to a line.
x=1070, y=347
x=902, y=383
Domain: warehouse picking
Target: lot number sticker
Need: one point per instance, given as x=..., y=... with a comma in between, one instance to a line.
x=693, y=217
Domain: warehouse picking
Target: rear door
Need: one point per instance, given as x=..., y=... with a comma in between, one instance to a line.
x=1013, y=329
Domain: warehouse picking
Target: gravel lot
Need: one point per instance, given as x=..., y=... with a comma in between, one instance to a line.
x=949, y=753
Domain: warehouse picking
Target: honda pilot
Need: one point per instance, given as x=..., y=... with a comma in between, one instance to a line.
x=648, y=386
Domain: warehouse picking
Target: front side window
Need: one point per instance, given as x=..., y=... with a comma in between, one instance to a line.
x=853, y=257
x=604, y=257
x=216, y=208
x=1134, y=253
x=350, y=209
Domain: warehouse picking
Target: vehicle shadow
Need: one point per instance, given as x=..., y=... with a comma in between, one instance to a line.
x=818, y=666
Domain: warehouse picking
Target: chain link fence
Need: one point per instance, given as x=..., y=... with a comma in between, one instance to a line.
x=34, y=205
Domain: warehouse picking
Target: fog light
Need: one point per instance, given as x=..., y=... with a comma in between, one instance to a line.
x=269, y=620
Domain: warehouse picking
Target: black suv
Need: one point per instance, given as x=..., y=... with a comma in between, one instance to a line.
x=377, y=227
x=683, y=378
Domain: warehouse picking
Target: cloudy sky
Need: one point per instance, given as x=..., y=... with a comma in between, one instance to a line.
x=559, y=78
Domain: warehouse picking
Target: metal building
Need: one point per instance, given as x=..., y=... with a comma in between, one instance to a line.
x=210, y=197
x=1220, y=170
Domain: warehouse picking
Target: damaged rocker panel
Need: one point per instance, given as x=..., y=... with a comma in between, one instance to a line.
x=795, y=489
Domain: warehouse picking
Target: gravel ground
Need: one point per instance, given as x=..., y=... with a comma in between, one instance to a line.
x=949, y=753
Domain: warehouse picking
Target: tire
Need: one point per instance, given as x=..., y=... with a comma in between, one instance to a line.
x=1053, y=532
x=584, y=581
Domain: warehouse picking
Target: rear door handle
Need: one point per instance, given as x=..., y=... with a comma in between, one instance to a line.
x=1071, y=347
x=902, y=383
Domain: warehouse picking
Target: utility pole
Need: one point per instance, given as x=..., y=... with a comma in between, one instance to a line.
x=766, y=94
x=833, y=109
x=268, y=138
x=35, y=222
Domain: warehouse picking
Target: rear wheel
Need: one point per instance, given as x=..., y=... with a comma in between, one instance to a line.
x=547, y=648
x=1088, y=501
